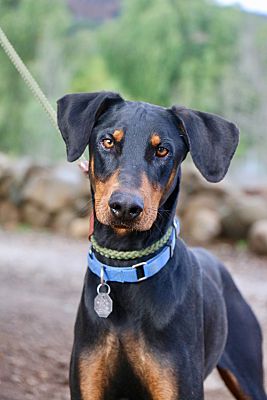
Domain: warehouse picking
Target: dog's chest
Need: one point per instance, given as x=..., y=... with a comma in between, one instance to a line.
x=155, y=373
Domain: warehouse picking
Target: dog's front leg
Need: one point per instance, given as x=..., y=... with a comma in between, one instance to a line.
x=91, y=369
x=154, y=369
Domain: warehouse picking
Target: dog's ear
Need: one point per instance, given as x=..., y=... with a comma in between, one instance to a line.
x=77, y=114
x=211, y=140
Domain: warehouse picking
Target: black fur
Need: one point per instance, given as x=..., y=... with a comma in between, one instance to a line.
x=77, y=114
x=190, y=314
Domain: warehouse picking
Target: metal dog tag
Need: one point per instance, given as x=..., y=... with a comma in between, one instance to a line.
x=103, y=303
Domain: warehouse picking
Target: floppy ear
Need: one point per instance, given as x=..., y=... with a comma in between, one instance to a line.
x=211, y=139
x=77, y=114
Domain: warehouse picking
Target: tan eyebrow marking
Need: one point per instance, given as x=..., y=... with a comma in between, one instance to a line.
x=155, y=139
x=118, y=135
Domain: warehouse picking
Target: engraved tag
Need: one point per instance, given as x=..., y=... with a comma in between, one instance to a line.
x=103, y=303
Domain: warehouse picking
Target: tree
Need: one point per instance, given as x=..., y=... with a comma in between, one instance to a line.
x=36, y=29
x=171, y=51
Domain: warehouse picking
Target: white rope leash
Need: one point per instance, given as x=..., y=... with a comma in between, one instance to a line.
x=29, y=80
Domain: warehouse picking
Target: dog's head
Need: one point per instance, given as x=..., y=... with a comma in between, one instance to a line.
x=136, y=149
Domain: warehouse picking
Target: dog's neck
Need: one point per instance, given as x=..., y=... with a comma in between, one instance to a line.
x=107, y=237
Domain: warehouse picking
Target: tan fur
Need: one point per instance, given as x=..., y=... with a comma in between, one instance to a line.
x=103, y=191
x=96, y=368
x=121, y=231
x=118, y=135
x=156, y=374
x=233, y=384
x=92, y=171
x=151, y=195
x=155, y=139
x=170, y=181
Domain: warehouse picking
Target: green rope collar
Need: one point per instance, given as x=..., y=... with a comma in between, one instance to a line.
x=129, y=255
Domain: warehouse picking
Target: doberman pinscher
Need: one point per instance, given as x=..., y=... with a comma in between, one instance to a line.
x=177, y=313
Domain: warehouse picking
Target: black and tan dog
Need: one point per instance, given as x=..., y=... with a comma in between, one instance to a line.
x=167, y=332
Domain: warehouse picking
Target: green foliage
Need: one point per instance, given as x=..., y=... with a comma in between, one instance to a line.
x=169, y=51
x=261, y=37
x=62, y=56
x=241, y=245
x=89, y=70
x=36, y=29
x=193, y=53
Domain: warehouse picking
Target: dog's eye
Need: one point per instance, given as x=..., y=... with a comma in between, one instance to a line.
x=107, y=143
x=162, y=152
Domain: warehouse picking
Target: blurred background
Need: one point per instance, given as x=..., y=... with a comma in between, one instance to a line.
x=205, y=54
x=201, y=54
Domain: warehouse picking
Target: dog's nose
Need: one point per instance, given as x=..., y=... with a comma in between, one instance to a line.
x=125, y=205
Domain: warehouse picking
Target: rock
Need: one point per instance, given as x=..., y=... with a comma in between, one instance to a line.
x=34, y=215
x=79, y=228
x=55, y=189
x=14, y=174
x=193, y=182
x=240, y=212
x=202, y=200
x=5, y=165
x=201, y=216
x=62, y=221
x=194, y=185
x=83, y=206
x=22, y=170
x=73, y=175
x=9, y=215
x=201, y=226
x=258, y=237
x=6, y=186
x=6, y=176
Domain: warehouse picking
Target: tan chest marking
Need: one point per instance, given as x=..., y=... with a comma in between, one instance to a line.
x=97, y=367
x=156, y=375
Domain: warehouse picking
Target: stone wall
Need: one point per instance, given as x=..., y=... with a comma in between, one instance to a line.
x=212, y=211
x=57, y=197
x=44, y=196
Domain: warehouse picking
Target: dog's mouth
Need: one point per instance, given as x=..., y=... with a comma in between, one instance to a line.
x=122, y=223
x=119, y=225
x=142, y=223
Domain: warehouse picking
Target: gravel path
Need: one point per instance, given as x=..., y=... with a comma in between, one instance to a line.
x=41, y=278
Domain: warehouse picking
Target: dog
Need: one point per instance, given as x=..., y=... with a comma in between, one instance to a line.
x=155, y=317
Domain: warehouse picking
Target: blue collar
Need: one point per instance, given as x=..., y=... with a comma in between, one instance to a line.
x=137, y=272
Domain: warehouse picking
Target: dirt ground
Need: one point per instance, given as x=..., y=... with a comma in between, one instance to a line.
x=41, y=278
